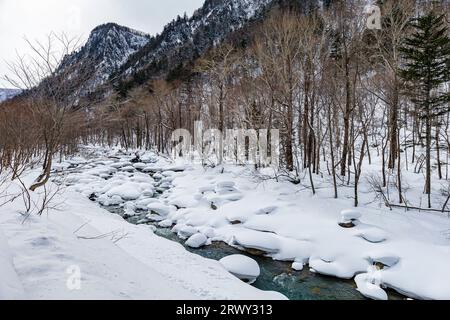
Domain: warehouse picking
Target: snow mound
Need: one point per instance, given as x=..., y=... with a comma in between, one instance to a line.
x=226, y=184
x=373, y=235
x=266, y=210
x=104, y=200
x=166, y=223
x=332, y=267
x=139, y=166
x=143, y=203
x=197, y=240
x=205, y=189
x=388, y=260
x=159, y=208
x=297, y=266
x=127, y=191
x=263, y=241
x=128, y=169
x=185, y=232
x=168, y=174
x=119, y=165
x=350, y=215
x=208, y=232
x=235, y=196
x=369, y=286
x=186, y=201
x=242, y=267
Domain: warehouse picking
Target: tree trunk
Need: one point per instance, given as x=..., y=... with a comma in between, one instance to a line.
x=393, y=131
x=399, y=173
x=345, y=145
x=438, y=152
x=333, y=166
x=358, y=171
x=428, y=157
x=45, y=176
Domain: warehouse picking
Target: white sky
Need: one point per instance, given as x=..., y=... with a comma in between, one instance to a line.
x=34, y=19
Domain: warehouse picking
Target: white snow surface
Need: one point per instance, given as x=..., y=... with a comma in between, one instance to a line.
x=283, y=220
x=292, y=225
x=116, y=260
x=10, y=285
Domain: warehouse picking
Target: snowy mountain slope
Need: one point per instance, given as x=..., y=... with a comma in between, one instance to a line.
x=185, y=39
x=171, y=53
x=107, y=48
x=127, y=58
x=6, y=94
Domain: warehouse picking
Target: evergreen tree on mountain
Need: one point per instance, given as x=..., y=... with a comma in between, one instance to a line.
x=427, y=55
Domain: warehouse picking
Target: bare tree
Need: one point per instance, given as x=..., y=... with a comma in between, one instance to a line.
x=52, y=92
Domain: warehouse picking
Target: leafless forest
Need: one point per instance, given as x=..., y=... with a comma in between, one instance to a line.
x=334, y=88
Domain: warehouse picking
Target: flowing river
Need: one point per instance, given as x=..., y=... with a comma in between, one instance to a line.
x=275, y=275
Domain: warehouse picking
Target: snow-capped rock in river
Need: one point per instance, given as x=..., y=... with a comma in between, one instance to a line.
x=369, y=286
x=242, y=267
x=197, y=240
x=350, y=215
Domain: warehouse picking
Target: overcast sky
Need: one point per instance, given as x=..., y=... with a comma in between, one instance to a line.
x=34, y=19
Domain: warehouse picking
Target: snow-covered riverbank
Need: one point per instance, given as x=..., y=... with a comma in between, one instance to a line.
x=413, y=248
x=406, y=251
x=40, y=258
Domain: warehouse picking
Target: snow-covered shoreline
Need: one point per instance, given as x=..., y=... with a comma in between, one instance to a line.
x=37, y=255
x=293, y=226
x=408, y=252
x=230, y=205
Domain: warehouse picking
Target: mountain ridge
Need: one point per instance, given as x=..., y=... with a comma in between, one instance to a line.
x=107, y=48
x=121, y=58
x=185, y=39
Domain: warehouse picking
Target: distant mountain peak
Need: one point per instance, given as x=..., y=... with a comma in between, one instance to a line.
x=123, y=58
x=184, y=39
x=112, y=26
x=107, y=48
